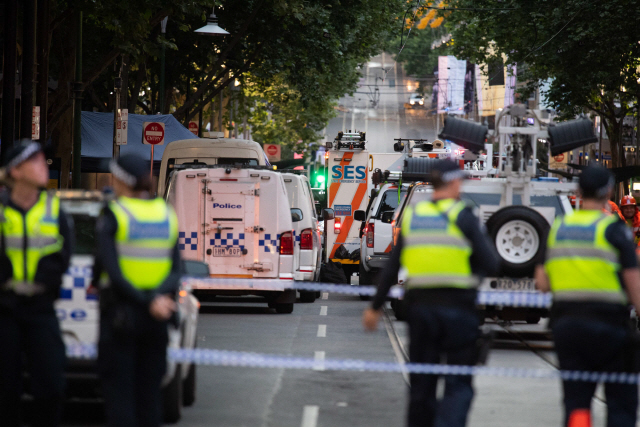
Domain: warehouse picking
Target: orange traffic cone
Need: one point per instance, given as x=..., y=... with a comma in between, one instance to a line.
x=580, y=418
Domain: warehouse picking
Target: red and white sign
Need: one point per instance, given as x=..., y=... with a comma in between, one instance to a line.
x=559, y=161
x=153, y=133
x=193, y=127
x=35, y=123
x=559, y=157
x=122, y=127
x=273, y=151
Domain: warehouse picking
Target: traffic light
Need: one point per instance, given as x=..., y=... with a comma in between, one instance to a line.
x=318, y=179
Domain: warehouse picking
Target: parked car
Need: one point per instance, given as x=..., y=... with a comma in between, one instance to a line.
x=308, y=246
x=416, y=100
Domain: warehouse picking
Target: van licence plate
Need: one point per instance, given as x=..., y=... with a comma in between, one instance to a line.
x=227, y=252
x=516, y=284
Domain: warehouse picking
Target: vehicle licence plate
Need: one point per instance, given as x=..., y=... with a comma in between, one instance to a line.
x=227, y=251
x=515, y=284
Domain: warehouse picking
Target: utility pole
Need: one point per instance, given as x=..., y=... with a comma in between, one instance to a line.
x=9, y=76
x=163, y=29
x=77, y=109
x=117, y=87
x=28, y=54
x=42, y=93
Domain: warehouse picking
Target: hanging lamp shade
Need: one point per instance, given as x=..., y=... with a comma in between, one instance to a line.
x=212, y=27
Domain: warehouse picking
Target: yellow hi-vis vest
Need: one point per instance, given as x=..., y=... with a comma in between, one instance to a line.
x=435, y=252
x=31, y=237
x=581, y=264
x=146, y=236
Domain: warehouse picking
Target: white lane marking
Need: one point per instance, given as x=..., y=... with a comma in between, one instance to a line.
x=319, y=357
x=325, y=295
x=310, y=416
x=322, y=331
x=323, y=310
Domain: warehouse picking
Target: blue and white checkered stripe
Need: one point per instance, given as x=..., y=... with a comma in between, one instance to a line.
x=227, y=240
x=269, y=244
x=80, y=280
x=188, y=243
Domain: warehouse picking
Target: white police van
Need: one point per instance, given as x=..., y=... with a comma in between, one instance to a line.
x=237, y=220
x=308, y=245
x=78, y=313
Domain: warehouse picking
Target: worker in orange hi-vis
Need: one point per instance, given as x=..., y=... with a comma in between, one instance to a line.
x=631, y=215
x=613, y=209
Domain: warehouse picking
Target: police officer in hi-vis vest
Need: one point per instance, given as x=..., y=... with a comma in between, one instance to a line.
x=36, y=245
x=138, y=267
x=444, y=250
x=592, y=271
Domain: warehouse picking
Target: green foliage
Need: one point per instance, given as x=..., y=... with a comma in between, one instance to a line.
x=417, y=57
x=589, y=50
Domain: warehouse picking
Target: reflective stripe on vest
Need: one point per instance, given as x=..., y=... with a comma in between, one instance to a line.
x=145, y=239
x=435, y=252
x=581, y=264
x=41, y=226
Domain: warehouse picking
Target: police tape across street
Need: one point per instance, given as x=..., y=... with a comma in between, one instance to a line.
x=524, y=299
x=214, y=357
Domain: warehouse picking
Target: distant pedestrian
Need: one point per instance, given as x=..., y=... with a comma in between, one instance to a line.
x=631, y=215
x=36, y=241
x=138, y=267
x=445, y=251
x=592, y=271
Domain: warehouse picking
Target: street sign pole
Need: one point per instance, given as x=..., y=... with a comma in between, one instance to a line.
x=151, y=168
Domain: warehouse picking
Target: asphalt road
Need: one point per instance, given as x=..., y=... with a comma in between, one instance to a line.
x=383, y=117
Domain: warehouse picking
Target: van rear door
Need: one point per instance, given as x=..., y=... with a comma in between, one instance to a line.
x=230, y=210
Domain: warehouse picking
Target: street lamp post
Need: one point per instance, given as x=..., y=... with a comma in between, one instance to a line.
x=163, y=29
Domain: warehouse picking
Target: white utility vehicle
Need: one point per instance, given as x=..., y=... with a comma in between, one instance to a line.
x=78, y=312
x=308, y=246
x=237, y=220
x=377, y=233
x=208, y=151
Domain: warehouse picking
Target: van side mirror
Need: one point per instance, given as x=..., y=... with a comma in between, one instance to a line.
x=328, y=214
x=359, y=215
x=296, y=215
x=387, y=217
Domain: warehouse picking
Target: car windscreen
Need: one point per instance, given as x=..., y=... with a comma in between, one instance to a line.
x=478, y=199
x=85, y=230
x=237, y=160
x=389, y=201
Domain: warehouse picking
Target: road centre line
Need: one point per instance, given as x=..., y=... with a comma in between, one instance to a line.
x=323, y=310
x=322, y=331
x=319, y=357
x=325, y=295
x=310, y=416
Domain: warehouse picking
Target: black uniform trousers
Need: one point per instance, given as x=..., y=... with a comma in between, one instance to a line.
x=30, y=328
x=585, y=343
x=441, y=334
x=132, y=357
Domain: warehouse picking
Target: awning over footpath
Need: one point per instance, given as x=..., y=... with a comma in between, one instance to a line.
x=97, y=135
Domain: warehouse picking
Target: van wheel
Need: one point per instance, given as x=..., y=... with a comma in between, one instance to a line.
x=318, y=294
x=284, y=308
x=532, y=319
x=172, y=398
x=366, y=279
x=307, y=296
x=399, y=309
x=519, y=234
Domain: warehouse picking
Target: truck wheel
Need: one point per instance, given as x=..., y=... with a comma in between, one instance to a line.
x=284, y=308
x=172, y=397
x=366, y=279
x=307, y=296
x=519, y=234
x=532, y=319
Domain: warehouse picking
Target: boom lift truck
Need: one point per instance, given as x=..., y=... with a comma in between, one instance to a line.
x=517, y=207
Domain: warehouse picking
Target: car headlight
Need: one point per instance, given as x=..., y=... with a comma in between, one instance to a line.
x=412, y=102
x=421, y=102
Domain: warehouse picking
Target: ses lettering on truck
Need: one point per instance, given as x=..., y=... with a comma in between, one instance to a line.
x=349, y=174
x=226, y=206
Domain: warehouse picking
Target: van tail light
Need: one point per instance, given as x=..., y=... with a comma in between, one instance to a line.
x=337, y=225
x=370, y=234
x=286, y=243
x=306, y=239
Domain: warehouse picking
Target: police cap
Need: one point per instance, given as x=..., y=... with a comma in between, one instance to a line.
x=445, y=171
x=129, y=168
x=23, y=150
x=595, y=182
